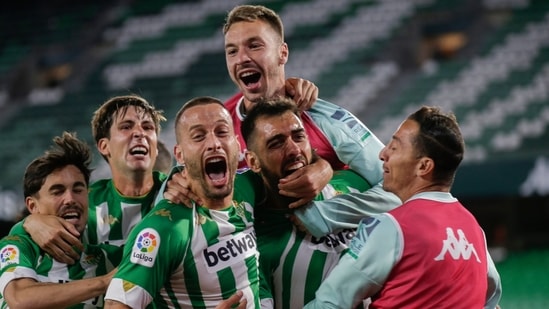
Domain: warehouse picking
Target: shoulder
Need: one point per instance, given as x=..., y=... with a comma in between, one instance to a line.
x=14, y=247
x=232, y=102
x=99, y=188
x=166, y=216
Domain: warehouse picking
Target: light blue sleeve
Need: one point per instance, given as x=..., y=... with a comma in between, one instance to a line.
x=356, y=146
x=345, y=210
x=494, y=284
x=361, y=273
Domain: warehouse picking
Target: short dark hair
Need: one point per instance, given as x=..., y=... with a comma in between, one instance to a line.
x=103, y=117
x=202, y=100
x=66, y=150
x=265, y=107
x=440, y=139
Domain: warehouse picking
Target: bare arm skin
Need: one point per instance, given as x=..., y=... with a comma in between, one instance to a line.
x=28, y=293
x=55, y=236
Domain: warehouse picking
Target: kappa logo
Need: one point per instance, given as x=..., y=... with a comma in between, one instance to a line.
x=9, y=255
x=456, y=247
x=145, y=248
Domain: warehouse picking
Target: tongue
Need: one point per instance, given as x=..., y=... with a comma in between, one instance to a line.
x=216, y=176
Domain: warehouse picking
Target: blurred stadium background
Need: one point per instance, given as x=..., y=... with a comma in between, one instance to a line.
x=485, y=60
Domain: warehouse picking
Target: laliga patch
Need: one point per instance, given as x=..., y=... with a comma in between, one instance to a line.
x=363, y=232
x=145, y=248
x=9, y=255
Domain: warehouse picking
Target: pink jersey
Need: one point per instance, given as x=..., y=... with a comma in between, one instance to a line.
x=317, y=139
x=444, y=253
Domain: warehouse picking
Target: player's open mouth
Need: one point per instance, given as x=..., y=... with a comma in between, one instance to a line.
x=216, y=169
x=139, y=151
x=71, y=215
x=293, y=166
x=250, y=78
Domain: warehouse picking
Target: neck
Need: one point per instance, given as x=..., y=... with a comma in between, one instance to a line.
x=431, y=187
x=273, y=200
x=218, y=204
x=138, y=184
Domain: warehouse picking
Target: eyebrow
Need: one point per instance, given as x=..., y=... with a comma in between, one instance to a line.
x=281, y=135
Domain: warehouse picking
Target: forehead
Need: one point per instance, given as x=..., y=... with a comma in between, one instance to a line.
x=205, y=115
x=64, y=176
x=407, y=131
x=286, y=123
x=131, y=112
x=245, y=30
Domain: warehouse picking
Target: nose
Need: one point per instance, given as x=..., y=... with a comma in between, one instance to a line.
x=138, y=131
x=70, y=197
x=242, y=56
x=383, y=154
x=213, y=142
x=292, y=148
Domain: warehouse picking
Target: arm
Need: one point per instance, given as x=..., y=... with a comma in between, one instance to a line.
x=361, y=272
x=493, y=295
x=344, y=211
x=303, y=92
x=28, y=293
x=176, y=188
x=55, y=236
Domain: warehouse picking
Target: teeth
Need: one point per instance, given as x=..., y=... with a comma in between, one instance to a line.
x=296, y=166
x=214, y=160
x=71, y=214
x=141, y=149
x=247, y=74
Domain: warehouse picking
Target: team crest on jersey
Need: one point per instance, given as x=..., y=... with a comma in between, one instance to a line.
x=110, y=219
x=145, y=248
x=240, y=209
x=9, y=255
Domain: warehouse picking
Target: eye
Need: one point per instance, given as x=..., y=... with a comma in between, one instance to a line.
x=230, y=51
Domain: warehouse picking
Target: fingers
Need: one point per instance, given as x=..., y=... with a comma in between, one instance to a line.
x=233, y=300
x=63, y=252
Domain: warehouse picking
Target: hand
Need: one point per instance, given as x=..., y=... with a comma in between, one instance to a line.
x=56, y=236
x=303, y=92
x=178, y=190
x=306, y=183
x=233, y=300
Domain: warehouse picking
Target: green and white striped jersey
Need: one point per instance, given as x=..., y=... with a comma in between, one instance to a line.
x=112, y=215
x=20, y=257
x=295, y=263
x=192, y=258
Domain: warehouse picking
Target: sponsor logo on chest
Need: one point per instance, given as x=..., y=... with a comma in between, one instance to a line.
x=230, y=250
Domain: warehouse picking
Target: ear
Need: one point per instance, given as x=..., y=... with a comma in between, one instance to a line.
x=284, y=54
x=252, y=161
x=32, y=204
x=425, y=166
x=103, y=147
x=178, y=154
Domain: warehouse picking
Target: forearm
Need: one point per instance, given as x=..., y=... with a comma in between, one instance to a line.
x=27, y=293
x=345, y=211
